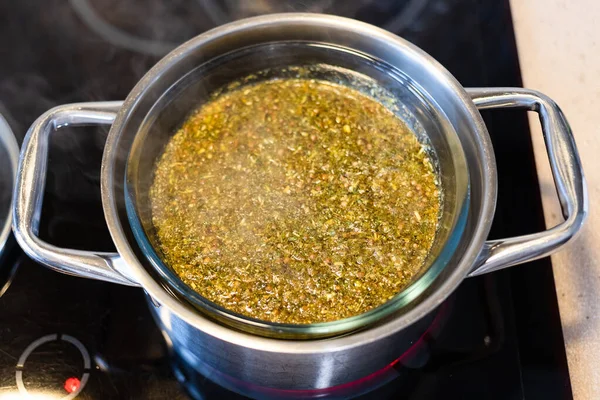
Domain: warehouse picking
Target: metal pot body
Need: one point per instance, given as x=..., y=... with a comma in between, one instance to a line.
x=238, y=367
x=300, y=364
x=9, y=155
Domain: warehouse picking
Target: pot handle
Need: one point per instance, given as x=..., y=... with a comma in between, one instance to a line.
x=566, y=170
x=29, y=193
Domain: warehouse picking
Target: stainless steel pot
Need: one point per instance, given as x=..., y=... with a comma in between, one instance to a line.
x=300, y=364
x=9, y=155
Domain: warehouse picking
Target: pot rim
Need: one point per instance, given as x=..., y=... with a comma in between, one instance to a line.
x=191, y=316
x=11, y=147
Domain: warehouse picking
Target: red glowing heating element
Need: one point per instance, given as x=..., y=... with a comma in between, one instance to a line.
x=72, y=384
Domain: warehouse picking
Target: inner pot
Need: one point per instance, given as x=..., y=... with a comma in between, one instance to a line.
x=385, y=83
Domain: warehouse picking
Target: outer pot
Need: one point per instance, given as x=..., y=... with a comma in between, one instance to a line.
x=9, y=155
x=293, y=364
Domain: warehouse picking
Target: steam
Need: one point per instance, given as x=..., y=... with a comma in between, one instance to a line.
x=116, y=36
x=220, y=12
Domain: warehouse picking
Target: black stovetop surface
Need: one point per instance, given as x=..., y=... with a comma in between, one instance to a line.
x=501, y=338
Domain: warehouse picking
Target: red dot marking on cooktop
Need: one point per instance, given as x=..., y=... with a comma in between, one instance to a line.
x=72, y=384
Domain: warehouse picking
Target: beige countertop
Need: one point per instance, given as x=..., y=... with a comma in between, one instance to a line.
x=559, y=50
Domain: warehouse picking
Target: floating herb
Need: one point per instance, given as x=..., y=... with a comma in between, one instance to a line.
x=295, y=201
